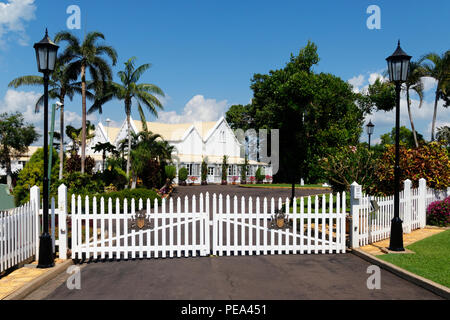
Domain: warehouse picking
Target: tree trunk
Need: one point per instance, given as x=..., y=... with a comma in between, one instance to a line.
x=61, y=140
x=435, y=113
x=9, y=175
x=129, y=142
x=83, y=121
x=410, y=118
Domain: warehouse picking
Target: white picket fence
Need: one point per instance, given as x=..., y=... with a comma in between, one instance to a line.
x=101, y=231
x=369, y=226
x=17, y=236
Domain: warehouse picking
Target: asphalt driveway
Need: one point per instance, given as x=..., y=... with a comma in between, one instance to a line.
x=235, y=278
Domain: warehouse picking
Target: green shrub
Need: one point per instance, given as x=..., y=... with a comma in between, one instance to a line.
x=182, y=174
x=33, y=175
x=171, y=172
x=84, y=184
x=260, y=175
x=113, y=176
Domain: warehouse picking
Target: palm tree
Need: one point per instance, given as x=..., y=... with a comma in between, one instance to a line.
x=87, y=57
x=128, y=90
x=104, y=148
x=438, y=67
x=62, y=84
x=414, y=83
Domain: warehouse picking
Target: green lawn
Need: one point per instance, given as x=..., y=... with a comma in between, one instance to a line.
x=431, y=259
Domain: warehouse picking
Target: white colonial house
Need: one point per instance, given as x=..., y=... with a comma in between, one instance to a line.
x=193, y=142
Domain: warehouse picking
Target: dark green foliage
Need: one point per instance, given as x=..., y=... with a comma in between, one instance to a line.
x=259, y=175
x=33, y=175
x=204, y=172
x=380, y=96
x=244, y=170
x=73, y=164
x=83, y=184
x=224, y=170
x=182, y=174
x=152, y=175
x=171, y=172
x=406, y=138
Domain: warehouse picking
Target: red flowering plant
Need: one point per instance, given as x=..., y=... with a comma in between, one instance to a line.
x=269, y=179
x=438, y=213
x=234, y=179
x=252, y=179
x=193, y=179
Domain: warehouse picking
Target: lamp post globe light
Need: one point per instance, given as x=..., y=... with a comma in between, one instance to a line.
x=398, y=66
x=46, y=52
x=370, y=130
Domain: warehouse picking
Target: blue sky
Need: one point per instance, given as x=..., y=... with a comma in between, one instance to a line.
x=204, y=53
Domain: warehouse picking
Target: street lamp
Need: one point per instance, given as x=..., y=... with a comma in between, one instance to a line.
x=46, y=59
x=398, y=66
x=370, y=130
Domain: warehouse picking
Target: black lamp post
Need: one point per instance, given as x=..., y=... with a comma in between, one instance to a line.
x=398, y=65
x=46, y=58
x=370, y=130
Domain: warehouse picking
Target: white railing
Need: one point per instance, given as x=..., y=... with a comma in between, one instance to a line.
x=370, y=225
x=17, y=236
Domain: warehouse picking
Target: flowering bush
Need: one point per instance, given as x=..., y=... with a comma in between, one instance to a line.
x=193, y=179
x=438, y=213
x=234, y=179
x=252, y=179
x=269, y=179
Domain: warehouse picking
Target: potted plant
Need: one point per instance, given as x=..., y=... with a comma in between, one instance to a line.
x=204, y=173
x=252, y=180
x=182, y=176
x=259, y=176
x=225, y=170
x=235, y=179
x=269, y=179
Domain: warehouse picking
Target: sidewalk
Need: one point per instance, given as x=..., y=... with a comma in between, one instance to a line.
x=408, y=239
x=22, y=277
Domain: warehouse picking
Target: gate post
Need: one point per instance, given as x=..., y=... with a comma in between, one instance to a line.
x=207, y=227
x=35, y=199
x=423, y=202
x=407, y=206
x=62, y=221
x=355, y=198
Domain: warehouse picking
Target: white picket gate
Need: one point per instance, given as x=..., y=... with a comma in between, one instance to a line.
x=17, y=236
x=100, y=231
x=241, y=231
x=369, y=226
x=110, y=233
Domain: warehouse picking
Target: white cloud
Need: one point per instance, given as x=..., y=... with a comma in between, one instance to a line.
x=21, y=101
x=356, y=82
x=13, y=15
x=197, y=109
x=428, y=83
x=361, y=84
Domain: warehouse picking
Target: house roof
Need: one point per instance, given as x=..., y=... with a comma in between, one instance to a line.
x=175, y=132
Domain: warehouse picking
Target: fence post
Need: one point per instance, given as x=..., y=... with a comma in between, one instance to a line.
x=423, y=202
x=35, y=199
x=62, y=221
x=407, y=206
x=355, y=197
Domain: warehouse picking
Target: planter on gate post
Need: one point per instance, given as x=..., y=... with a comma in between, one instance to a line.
x=62, y=221
x=355, y=198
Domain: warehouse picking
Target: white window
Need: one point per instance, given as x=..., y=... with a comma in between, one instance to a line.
x=211, y=171
x=189, y=169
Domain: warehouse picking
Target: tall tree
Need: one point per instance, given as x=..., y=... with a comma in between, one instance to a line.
x=438, y=67
x=63, y=84
x=414, y=83
x=129, y=90
x=15, y=138
x=103, y=148
x=87, y=57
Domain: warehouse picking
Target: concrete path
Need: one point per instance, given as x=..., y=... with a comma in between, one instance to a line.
x=230, y=278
